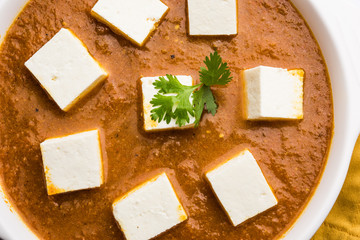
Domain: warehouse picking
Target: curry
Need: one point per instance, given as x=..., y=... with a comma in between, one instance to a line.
x=292, y=154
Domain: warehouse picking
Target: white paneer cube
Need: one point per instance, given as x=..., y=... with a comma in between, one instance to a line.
x=212, y=17
x=149, y=209
x=273, y=93
x=65, y=69
x=134, y=19
x=148, y=92
x=241, y=188
x=73, y=162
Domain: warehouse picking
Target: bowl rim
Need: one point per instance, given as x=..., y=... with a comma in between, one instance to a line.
x=325, y=28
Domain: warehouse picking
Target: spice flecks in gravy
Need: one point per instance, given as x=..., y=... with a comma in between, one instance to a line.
x=291, y=154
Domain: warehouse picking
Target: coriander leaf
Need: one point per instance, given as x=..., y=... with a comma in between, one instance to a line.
x=209, y=100
x=172, y=101
x=202, y=97
x=169, y=85
x=217, y=72
x=199, y=104
x=165, y=109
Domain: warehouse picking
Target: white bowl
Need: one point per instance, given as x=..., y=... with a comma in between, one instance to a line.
x=326, y=28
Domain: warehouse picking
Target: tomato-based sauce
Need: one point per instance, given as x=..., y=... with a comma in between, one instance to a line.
x=291, y=154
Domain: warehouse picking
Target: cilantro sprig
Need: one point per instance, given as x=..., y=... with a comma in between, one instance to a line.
x=179, y=102
x=172, y=101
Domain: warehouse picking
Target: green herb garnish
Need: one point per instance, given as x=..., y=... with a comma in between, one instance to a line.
x=173, y=99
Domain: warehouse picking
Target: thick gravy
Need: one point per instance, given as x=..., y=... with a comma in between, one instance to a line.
x=291, y=154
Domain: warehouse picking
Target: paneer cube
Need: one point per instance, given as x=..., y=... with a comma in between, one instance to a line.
x=273, y=93
x=212, y=17
x=241, y=188
x=134, y=19
x=148, y=92
x=65, y=69
x=149, y=209
x=73, y=162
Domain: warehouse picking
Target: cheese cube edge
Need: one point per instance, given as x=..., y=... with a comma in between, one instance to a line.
x=38, y=65
x=52, y=187
x=96, y=13
x=138, y=191
x=211, y=176
x=148, y=92
x=297, y=108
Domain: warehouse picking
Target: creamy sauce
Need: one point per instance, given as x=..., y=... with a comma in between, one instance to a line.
x=292, y=154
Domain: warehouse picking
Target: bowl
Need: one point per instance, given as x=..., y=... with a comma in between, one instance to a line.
x=327, y=29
